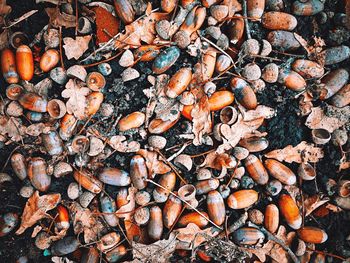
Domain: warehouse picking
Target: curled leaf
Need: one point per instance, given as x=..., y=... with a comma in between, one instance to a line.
x=75, y=48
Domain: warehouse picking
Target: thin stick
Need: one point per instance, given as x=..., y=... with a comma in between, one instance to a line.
x=272, y=237
x=23, y=17
x=187, y=203
x=76, y=17
x=247, y=29
x=177, y=153
x=102, y=61
x=201, y=154
x=61, y=51
x=288, y=54
x=237, y=224
x=326, y=254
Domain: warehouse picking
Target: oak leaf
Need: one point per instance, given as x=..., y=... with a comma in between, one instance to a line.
x=76, y=95
x=127, y=210
x=12, y=127
x=58, y=19
x=222, y=161
x=36, y=208
x=153, y=163
x=313, y=202
x=119, y=143
x=75, y=48
x=303, y=152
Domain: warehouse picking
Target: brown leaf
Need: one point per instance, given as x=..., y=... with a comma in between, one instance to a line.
x=58, y=19
x=4, y=8
x=261, y=111
x=4, y=41
x=36, y=208
x=127, y=210
x=153, y=163
x=75, y=48
x=313, y=51
x=344, y=163
x=312, y=203
x=219, y=162
x=119, y=143
x=12, y=127
x=303, y=152
x=77, y=98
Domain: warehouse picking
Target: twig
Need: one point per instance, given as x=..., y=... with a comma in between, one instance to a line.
x=9, y=157
x=102, y=61
x=237, y=224
x=61, y=51
x=201, y=154
x=23, y=17
x=288, y=54
x=247, y=29
x=273, y=238
x=326, y=254
x=76, y=17
x=187, y=203
x=177, y=153
x=270, y=58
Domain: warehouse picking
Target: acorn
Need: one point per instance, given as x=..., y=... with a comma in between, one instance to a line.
x=8, y=66
x=244, y=93
x=284, y=40
x=219, y=12
x=209, y=3
x=274, y=187
x=65, y=246
x=236, y=29
x=114, y=176
x=138, y=172
x=312, y=235
x=280, y=172
x=171, y=211
x=18, y=163
x=168, y=5
x=62, y=220
x=291, y=80
x=307, y=8
x=255, y=8
x=142, y=197
x=195, y=218
x=320, y=136
x=108, y=208
x=207, y=66
x=155, y=224
x=179, y=82
x=122, y=197
x=251, y=71
x=37, y=174
x=271, y=220
x=25, y=62
x=8, y=222
x=254, y=143
x=132, y=121
x=335, y=55
x=205, y=186
x=216, y=207
x=279, y=21
x=290, y=211
x=168, y=181
x=334, y=81
x=124, y=11
x=33, y=102
x=242, y=199
x=116, y=254
x=307, y=68
x=108, y=241
x=222, y=63
x=270, y=73
x=49, y=60
x=248, y=236
x=142, y=216
x=88, y=181
x=90, y=255
x=341, y=98
x=52, y=142
x=306, y=171
x=56, y=108
x=256, y=169
x=147, y=53
x=95, y=81
x=158, y=126
x=94, y=101
x=165, y=59
x=67, y=126
x=14, y=91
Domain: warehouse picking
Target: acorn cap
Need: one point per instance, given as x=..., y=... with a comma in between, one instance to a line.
x=95, y=81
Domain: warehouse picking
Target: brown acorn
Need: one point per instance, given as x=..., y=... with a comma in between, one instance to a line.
x=248, y=236
x=114, y=176
x=280, y=172
x=37, y=174
x=179, y=82
x=334, y=81
x=205, y=186
x=279, y=21
x=18, y=163
x=138, y=172
x=49, y=60
x=56, y=108
x=147, y=52
x=52, y=143
x=168, y=5
x=155, y=224
x=254, y=144
x=8, y=66
x=158, y=126
x=216, y=207
x=291, y=80
x=122, y=197
x=95, y=81
x=220, y=99
x=94, y=101
x=168, y=181
x=171, y=211
x=242, y=199
x=244, y=93
x=307, y=68
x=342, y=97
x=284, y=40
x=255, y=8
x=33, y=102
x=312, y=235
x=195, y=218
x=307, y=8
x=290, y=211
x=62, y=220
x=124, y=11
x=271, y=220
x=88, y=181
x=25, y=62
x=132, y=121
x=256, y=169
x=67, y=126
x=14, y=91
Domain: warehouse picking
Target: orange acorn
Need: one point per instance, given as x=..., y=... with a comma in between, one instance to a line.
x=195, y=218
x=88, y=181
x=37, y=174
x=254, y=143
x=307, y=68
x=236, y=30
x=244, y=93
x=280, y=172
x=49, y=60
x=255, y=8
x=334, y=81
x=94, y=101
x=114, y=176
x=171, y=211
x=342, y=97
x=8, y=66
x=122, y=197
x=138, y=172
x=307, y=8
x=132, y=121
x=62, y=220
x=312, y=234
x=179, y=82
x=155, y=224
x=290, y=211
x=216, y=207
x=271, y=220
x=207, y=66
x=147, y=52
x=279, y=21
x=220, y=99
x=67, y=126
x=194, y=20
x=256, y=169
x=248, y=236
x=18, y=163
x=284, y=40
x=25, y=62
x=205, y=186
x=168, y=181
x=158, y=126
x=242, y=199
x=291, y=80
x=168, y=5
x=124, y=11
x=33, y=102
x=14, y=91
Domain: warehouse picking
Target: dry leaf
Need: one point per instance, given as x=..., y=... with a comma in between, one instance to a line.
x=4, y=8
x=105, y=22
x=84, y=221
x=36, y=208
x=193, y=235
x=127, y=210
x=261, y=111
x=303, y=152
x=35, y=129
x=77, y=98
x=344, y=163
x=154, y=165
x=58, y=19
x=219, y=162
x=312, y=203
x=4, y=39
x=12, y=127
x=158, y=252
x=313, y=51
x=75, y=48
x=119, y=143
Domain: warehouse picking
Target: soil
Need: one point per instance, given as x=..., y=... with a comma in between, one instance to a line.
x=287, y=127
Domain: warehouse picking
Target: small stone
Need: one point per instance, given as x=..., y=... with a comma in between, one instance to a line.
x=127, y=59
x=130, y=74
